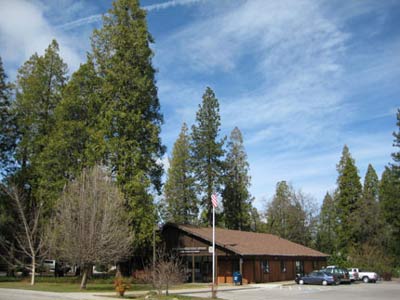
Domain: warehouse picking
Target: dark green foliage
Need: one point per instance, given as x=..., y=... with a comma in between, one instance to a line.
x=390, y=210
x=207, y=151
x=8, y=128
x=132, y=120
x=77, y=140
x=389, y=200
x=290, y=215
x=396, y=143
x=180, y=188
x=368, y=223
x=348, y=197
x=326, y=237
x=390, y=197
x=256, y=222
x=40, y=82
x=236, y=197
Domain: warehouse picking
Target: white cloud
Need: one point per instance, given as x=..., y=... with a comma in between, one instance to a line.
x=299, y=61
x=24, y=31
x=297, y=55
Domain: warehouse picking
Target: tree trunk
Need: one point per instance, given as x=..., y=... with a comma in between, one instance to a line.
x=84, y=277
x=33, y=270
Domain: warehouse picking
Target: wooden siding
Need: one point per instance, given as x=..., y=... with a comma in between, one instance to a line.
x=228, y=262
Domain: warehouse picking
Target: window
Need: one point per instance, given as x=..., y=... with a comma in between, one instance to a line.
x=315, y=265
x=299, y=267
x=265, y=266
x=283, y=266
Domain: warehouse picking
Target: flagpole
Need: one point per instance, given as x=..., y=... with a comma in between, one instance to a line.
x=213, y=253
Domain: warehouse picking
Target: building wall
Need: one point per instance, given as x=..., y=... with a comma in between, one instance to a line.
x=280, y=268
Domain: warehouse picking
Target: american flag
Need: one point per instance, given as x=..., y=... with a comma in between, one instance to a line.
x=214, y=200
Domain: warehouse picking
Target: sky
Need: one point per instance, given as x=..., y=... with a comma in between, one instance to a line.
x=299, y=78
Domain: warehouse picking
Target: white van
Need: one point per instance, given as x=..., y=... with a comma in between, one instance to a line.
x=50, y=264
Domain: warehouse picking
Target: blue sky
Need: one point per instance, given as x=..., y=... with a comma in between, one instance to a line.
x=299, y=78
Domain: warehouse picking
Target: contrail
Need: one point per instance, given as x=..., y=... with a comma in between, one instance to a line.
x=97, y=18
x=168, y=4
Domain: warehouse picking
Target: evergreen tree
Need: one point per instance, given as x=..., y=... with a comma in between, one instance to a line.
x=287, y=215
x=389, y=197
x=389, y=203
x=207, y=151
x=236, y=197
x=348, y=197
x=367, y=214
x=77, y=141
x=8, y=129
x=396, y=143
x=326, y=238
x=343, y=160
x=39, y=86
x=180, y=189
x=132, y=121
x=257, y=223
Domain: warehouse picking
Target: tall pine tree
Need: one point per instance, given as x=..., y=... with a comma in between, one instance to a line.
x=326, y=237
x=348, y=197
x=132, y=121
x=8, y=128
x=40, y=82
x=207, y=151
x=396, y=143
x=236, y=197
x=77, y=140
x=367, y=214
x=180, y=188
x=389, y=197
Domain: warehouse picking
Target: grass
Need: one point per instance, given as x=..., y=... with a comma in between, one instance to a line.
x=72, y=284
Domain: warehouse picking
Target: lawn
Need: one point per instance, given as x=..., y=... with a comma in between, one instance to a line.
x=72, y=284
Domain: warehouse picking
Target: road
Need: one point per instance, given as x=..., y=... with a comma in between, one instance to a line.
x=357, y=291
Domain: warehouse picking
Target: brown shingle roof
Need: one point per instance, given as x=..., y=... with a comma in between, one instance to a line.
x=251, y=243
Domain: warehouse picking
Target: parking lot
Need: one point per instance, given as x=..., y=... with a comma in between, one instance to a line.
x=355, y=291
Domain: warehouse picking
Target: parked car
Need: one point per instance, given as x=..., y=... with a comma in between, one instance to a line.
x=317, y=277
x=366, y=276
x=50, y=264
x=353, y=272
x=341, y=273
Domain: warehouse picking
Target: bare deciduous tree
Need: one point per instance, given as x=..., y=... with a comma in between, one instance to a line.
x=167, y=271
x=29, y=234
x=90, y=225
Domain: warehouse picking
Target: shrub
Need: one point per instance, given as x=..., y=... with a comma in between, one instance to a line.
x=121, y=285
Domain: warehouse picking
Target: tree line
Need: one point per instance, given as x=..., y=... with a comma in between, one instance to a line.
x=107, y=115
x=55, y=129
x=201, y=166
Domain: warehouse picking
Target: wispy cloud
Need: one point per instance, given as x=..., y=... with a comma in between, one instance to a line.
x=296, y=53
x=97, y=18
x=291, y=80
x=169, y=4
x=24, y=30
x=81, y=22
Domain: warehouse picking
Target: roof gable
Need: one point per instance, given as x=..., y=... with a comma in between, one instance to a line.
x=250, y=243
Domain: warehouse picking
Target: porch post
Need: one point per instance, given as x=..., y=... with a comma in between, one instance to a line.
x=193, y=270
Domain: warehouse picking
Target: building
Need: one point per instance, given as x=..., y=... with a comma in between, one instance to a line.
x=259, y=257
